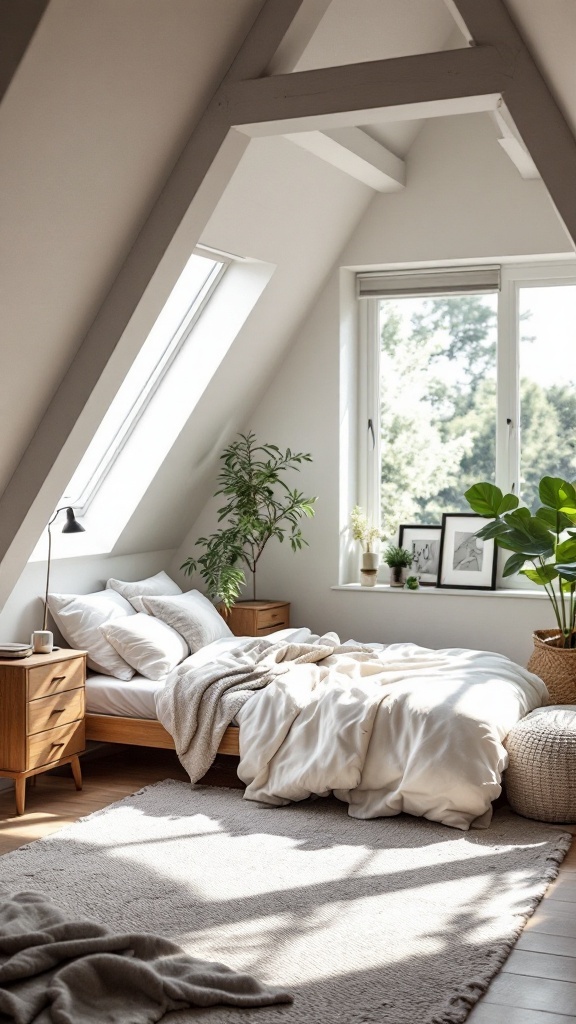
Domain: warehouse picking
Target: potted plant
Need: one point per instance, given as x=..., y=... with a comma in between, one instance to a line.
x=364, y=532
x=258, y=505
x=398, y=560
x=547, y=541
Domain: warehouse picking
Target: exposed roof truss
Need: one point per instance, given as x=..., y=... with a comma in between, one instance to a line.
x=498, y=69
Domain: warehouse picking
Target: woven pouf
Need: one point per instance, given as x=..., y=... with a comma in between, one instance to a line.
x=540, y=779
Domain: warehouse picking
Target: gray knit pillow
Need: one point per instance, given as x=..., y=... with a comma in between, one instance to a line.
x=192, y=615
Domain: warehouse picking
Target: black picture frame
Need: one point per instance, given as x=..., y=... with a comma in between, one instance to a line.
x=426, y=568
x=466, y=564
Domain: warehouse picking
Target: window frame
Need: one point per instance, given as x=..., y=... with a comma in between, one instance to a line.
x=514, y=276
x=157, y=373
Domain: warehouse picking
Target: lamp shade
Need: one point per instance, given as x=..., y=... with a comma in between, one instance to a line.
x=72, y=525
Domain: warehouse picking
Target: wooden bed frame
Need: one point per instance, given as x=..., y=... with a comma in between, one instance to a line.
x=145, y=732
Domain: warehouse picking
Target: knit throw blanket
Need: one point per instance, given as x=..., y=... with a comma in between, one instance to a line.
x=198, y=704
x=58, y=970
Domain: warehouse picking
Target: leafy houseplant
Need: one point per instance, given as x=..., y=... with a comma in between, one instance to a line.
x=397, y=559
x=364, y=532
x=258, y=505
x=539, y=539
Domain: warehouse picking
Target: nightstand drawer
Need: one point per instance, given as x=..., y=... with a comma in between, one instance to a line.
x=61, y=675
x=49, y=712
x=273, y=618
x=49, y=746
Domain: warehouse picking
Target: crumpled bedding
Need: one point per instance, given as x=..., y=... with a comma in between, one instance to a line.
x=386, y=729
x=55, y=969
x=403, y=728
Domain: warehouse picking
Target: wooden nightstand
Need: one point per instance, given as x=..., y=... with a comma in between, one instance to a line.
x=258, y=618
x=42, y=706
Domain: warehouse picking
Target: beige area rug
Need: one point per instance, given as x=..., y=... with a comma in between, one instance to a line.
x=389, y=921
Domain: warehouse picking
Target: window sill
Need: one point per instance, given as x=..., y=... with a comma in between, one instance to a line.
x=384, y=588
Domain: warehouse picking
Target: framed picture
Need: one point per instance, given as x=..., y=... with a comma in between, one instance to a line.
x=466, y=563
x=424, y=543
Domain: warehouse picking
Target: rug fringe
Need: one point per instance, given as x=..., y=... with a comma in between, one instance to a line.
x=467, y=996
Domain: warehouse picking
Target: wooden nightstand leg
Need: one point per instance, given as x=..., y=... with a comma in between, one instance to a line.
x=76, y=772
x=32, y=779
x=20, y=787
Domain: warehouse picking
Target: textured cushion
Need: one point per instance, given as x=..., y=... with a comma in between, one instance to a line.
x=192, y=615
x=157, y=585
x=79, y=617
x=149, y=645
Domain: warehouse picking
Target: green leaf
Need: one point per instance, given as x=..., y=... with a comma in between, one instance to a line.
x=494, y=529
x=520, y=519
x=485, y=499
x=509, y=502
x=518, y=541
x=557, y=494
x=544, y=574
x=513, y=565
x=566, y=552
x=567, y=572
x=554, y=520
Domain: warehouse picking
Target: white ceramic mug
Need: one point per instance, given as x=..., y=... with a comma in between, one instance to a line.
x=42, y=641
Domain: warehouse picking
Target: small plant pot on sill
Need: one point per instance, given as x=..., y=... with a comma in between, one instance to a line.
x=554, y=664
x=398, y=575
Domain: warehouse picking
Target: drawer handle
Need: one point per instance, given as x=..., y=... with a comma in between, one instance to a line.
x=58, y=744
x=57, y=679
x=57, y=711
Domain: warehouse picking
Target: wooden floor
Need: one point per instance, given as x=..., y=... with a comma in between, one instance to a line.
x=537, y=984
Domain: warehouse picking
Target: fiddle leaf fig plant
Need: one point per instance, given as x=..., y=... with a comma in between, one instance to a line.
x=546, y=540
x=258, y=505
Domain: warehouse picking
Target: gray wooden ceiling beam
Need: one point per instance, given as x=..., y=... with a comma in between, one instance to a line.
x=423, y=77
x=532, y=106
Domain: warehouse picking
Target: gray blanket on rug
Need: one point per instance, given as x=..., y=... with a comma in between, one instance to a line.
x=58, y=970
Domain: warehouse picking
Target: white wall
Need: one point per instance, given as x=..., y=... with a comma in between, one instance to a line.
x=24, y=609
x=464, y=200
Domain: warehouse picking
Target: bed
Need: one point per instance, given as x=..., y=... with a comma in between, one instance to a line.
x=125, y=712
x=386, y=728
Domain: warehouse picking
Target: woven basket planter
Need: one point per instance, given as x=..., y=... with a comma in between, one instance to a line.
x=540, y=780
x=555, y=665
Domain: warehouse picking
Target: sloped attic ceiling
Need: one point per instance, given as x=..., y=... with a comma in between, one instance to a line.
x=107, y=97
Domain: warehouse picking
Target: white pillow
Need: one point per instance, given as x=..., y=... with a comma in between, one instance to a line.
x=79, y=617
x=147, y=644
x=192, y=615
x=158, y=585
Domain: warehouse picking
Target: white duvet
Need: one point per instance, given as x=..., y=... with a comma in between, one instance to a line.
x=400, y=728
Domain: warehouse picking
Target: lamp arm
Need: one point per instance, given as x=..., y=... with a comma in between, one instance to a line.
x=45, y=620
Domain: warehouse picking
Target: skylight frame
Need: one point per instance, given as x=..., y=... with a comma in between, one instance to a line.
x=169, y=353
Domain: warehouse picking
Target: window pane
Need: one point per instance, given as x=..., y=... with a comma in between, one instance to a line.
x=547, y=387
x=438, y=404
x=184, y=301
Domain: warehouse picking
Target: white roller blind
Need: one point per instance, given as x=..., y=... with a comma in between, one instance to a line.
x=466, y=280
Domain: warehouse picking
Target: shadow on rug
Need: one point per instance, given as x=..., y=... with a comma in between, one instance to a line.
x=391, y=921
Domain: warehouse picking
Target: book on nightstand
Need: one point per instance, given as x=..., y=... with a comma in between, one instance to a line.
x=15, y=650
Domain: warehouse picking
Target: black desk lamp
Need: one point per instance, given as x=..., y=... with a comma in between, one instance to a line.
x=70, y=526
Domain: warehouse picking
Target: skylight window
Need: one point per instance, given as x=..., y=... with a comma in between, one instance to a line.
x=167, y=337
